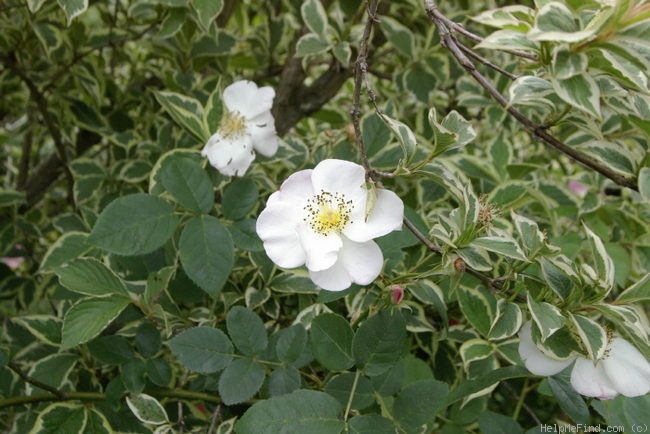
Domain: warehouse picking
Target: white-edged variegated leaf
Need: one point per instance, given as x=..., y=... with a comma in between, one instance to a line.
x=186, y=111
x=531, y=90
x=555, y=22
x=549, y=319
x=46, y=328
x=311, y=43
x=404, y=135
x=626, y=70
x=581, y=91
x=475, y=258
x=454, y=131
x=61, y=417
x=508, y=40
x=315, y=17
x=555, y=277
x=501, y=245
x=532, y=238
x=638, y=292
x=34, y=5
x=592, y=335
x=207, y=11
x=512, y=17
x=508, y=193
x=400, y=36
x=52, y=370
x=475, y=349
x=67, y=247
x=479, y=307
x=508, y=321
x=644, y=183
x=73, y=8
x=616, y=156
x=566, y=63
x=603, y=262
x=156, y=187
x=147, y=409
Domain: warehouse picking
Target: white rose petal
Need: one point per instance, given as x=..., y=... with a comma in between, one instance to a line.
x=535, y=360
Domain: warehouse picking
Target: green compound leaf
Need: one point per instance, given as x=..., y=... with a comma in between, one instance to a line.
x=304, y=411
x=341, y=387
x=240, y=381
x=331, y=340
x=239, y=198
x=418, y=404
x=135, y=224
x=187, y=182
x=379, y=342
x=370, y=424
x=207, y=253
x=88, y=317
x=147, y=409
x=246, y=330
x=202, y=349
x=494, y=423
x=88, y=276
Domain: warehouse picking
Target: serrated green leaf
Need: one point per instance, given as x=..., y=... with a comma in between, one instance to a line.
x=343, y=385
x=147, y=409
x=315, y=17
x=379, y=342
x=494, y=423
x=305, y=411
x=202, y=349
x=331, y=340
x=370, y=424
x=186, y=111
x=134, y=225
x=418, y=404
x=283, y=380
x=240, y=381
x=207, y=11
x=246, y=330
x=291, y=343
x=188, y=183
x=88, y=276
x=207, y=253
x=239, y=198
x=88, y=317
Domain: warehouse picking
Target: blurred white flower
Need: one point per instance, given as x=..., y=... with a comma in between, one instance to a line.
x=623, y=370
x=326, y=218
x=247, y=126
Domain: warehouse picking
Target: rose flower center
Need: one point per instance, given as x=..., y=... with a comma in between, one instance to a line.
x=328, y=212
x=232, y=124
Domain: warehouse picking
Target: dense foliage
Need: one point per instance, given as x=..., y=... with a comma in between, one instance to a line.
x=136, y=295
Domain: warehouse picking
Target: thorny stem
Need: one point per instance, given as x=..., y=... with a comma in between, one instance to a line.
x=537, y=131
x=360, y=75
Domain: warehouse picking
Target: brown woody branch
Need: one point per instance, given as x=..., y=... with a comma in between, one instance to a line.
x=537, y=131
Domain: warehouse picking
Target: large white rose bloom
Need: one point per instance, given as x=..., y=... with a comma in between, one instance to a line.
x=623, y=370
x=247, y=126
x=323, y=218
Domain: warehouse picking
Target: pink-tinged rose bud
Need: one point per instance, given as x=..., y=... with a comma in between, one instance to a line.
x=396, y=294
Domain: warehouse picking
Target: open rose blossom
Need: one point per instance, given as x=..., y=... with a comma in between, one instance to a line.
x=323, y=218
x=623, y=370
x=247, y=126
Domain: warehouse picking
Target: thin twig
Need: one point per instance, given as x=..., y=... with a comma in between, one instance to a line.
x=537, y=131
x=520, y=401
x=34, y=382
x=487, y=63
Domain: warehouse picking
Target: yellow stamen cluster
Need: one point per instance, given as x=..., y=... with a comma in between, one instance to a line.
x=232, y=124
x=328, y=212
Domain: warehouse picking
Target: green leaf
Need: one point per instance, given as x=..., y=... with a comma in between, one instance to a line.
x=147, y=409
x=399, y=35
x=202, y=349
x=453, y=132
x=187, y=182
x=430, y=293
x=45, y=328
x=246, y=330
x=493, y=423
x=283, y=380
x=555, y=22
x=303, y=411
x=418, y=404
x=548, y=318
x=291, y=343
x=11, y=197
x=506, y=194
x=186, y=111
x=531, y=90
x=331, y=340
x=625, y=69
x=479, y=307
x=239, y=198
x=34, y=5
x=475, y=349
x=644, y=183
x=555, y=277
x=570, y=401
x=88, y=276
x=315, y=17
x=566, y=63
x=97, y=423
x=639, y=291
x=508, y=322
x=379, y=342
x=60, y=418
x=147, y=339
x=173, y=22
x=213, y=109
x=531, y=237
x=68, y=246
x=133, y=375
x=476, y=258
x=343, y=53
x=612, y=154
x=370, y=424
x=88, y=317
x=111, y=350
x=240, y=381
x=467, y=388
x=604, y=264
x=207, y=253
x=73, y=8
x=341, y=387
x=244, y=235
x=581, y=91
x=311, y=43
x=207, y=11
x=592, y=335
x=135, y=224
x=501, y=245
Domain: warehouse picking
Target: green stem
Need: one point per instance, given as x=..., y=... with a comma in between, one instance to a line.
x=352, y=392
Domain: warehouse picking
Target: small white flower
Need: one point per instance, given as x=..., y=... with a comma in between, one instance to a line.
x=320, y=218
x=247, y=126
x=622, y=371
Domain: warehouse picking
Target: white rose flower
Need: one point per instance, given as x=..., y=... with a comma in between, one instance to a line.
x=247, y=126
x=322, y=218
x=623, y=370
